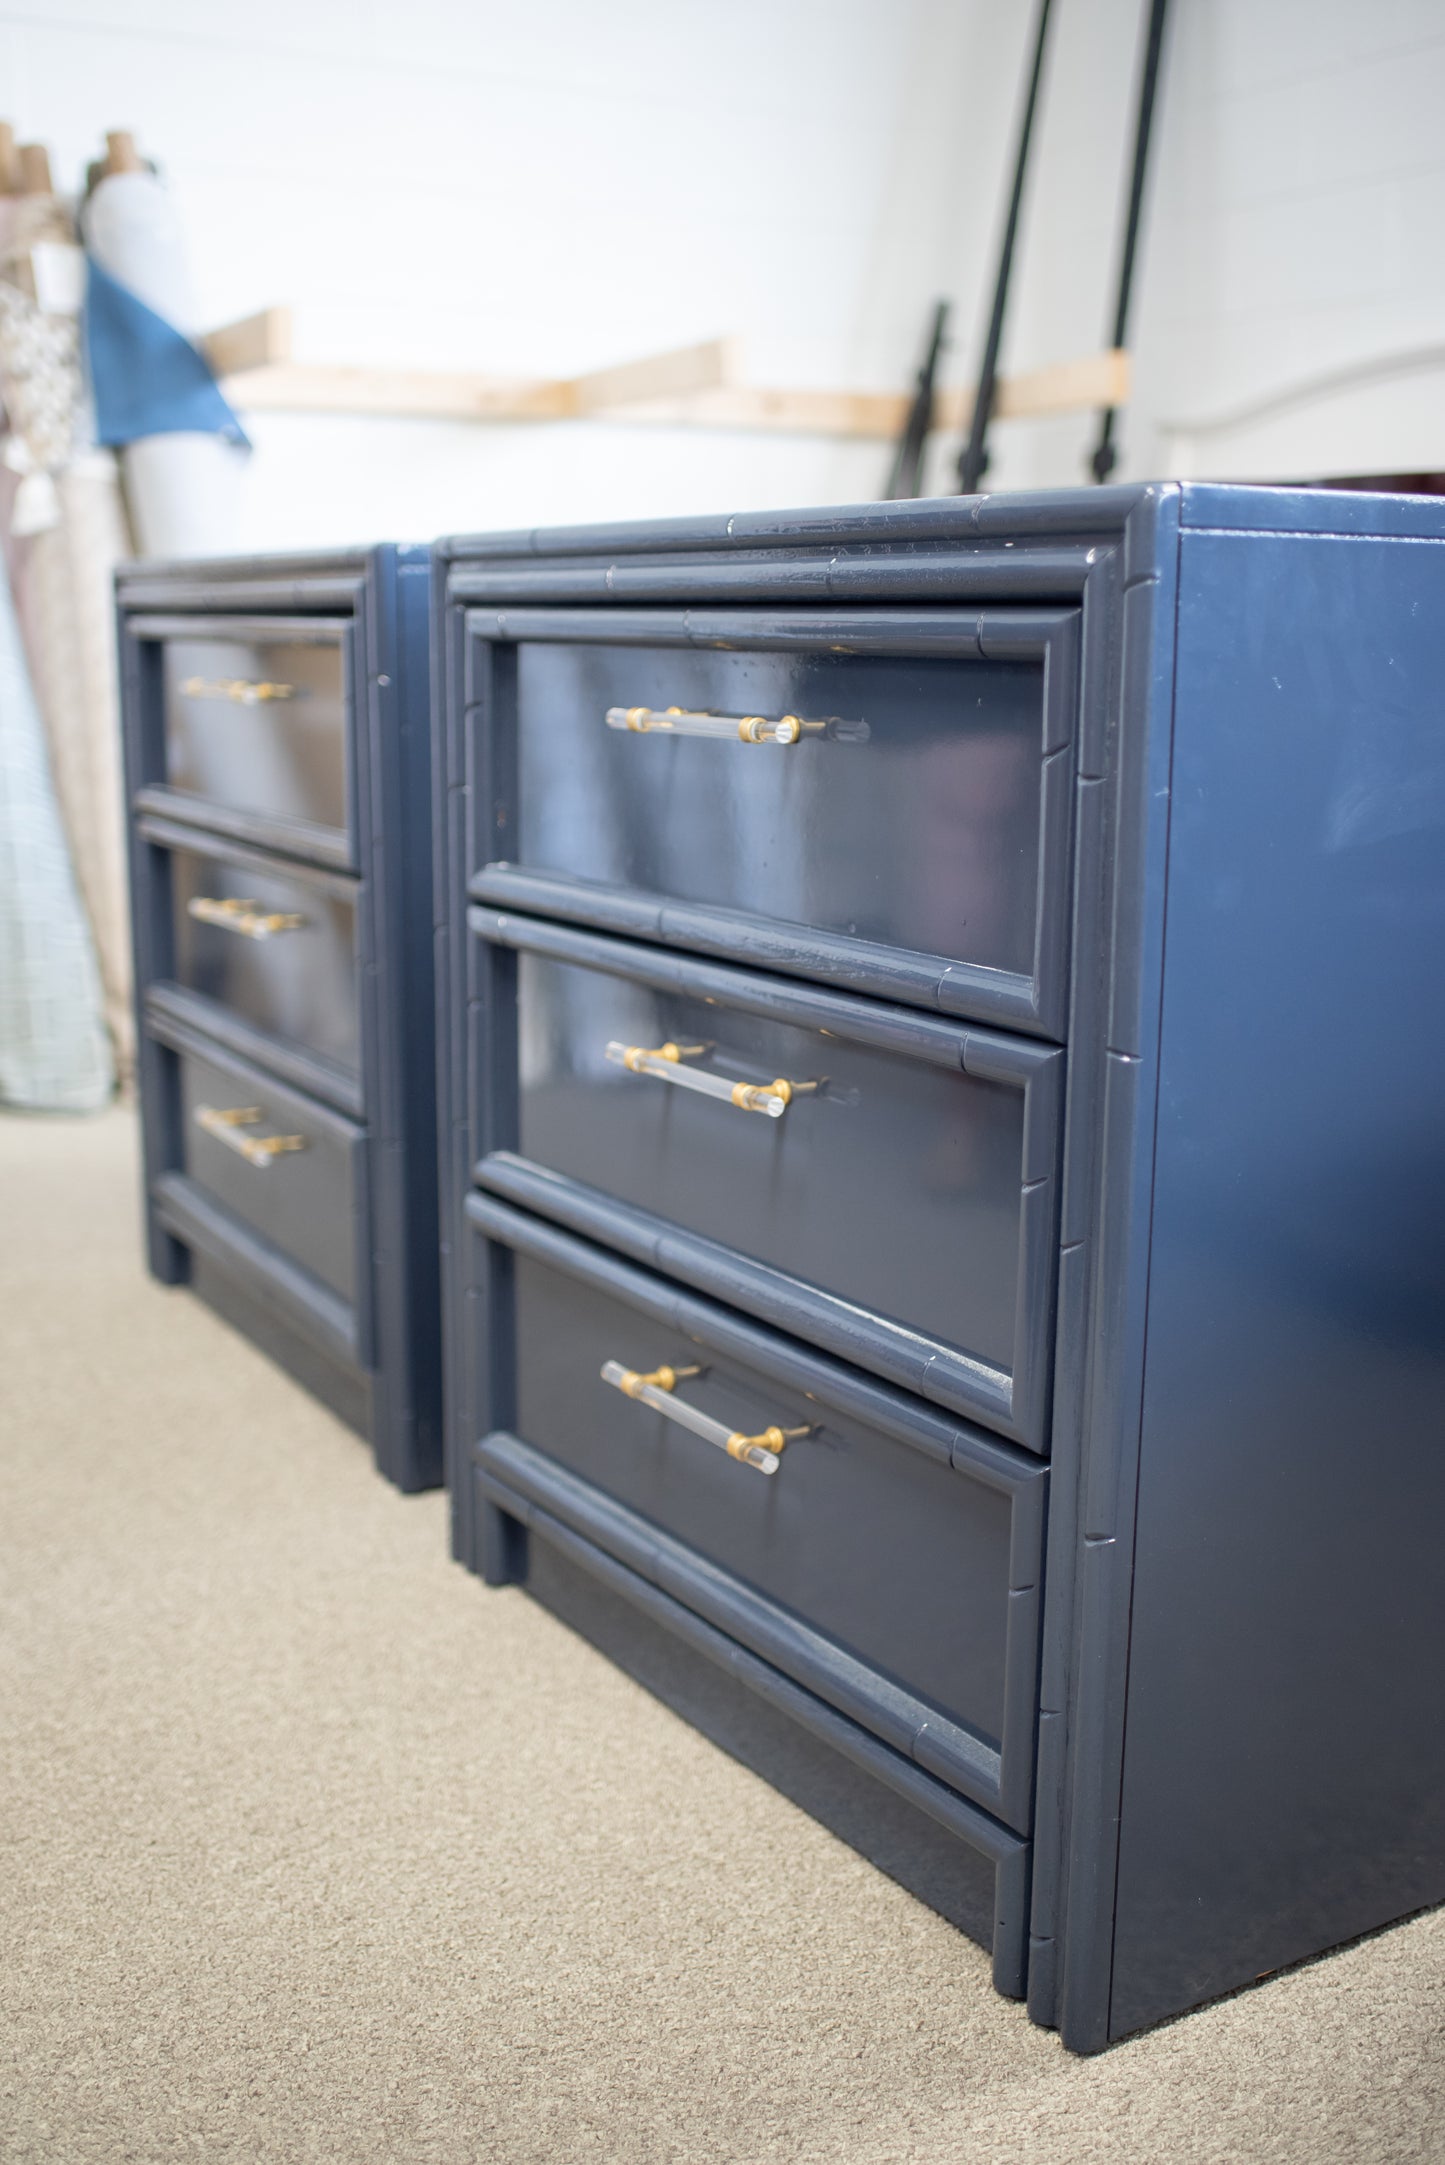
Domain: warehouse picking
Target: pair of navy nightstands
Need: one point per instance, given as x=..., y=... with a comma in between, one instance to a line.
x=940, y=1045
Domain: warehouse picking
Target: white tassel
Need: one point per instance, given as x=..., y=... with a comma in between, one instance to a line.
x=36, y=507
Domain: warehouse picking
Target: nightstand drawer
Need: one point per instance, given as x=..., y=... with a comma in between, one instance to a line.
x=275, y=944
x=254, y=717
x=744, y=801
x=883, y=1555
x=291, y=1169
x=879, y=1181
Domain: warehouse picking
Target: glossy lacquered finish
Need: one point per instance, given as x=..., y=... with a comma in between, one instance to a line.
x=909, y=1178
x=277, y=759
x=1289, y=1586
x=933, y=756
x=896, y=1534
x=256, y=717
x=297, y=982
x=1236, y=1726
x=288, y=1167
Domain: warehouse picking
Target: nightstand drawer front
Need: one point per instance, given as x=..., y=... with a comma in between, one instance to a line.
x=883, y=1534
x=755, y=822
x=258, y=723
x=276, y=947
x=897, y=1164
x=286, y=1166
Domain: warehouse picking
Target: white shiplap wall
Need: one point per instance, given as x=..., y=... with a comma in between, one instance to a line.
x=457, y=183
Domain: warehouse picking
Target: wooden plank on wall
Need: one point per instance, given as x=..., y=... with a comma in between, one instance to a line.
x=680, y=374
x=693, y=387
x=274, y=383
x=428, y=394
x=1097, y=380
x=258, y=341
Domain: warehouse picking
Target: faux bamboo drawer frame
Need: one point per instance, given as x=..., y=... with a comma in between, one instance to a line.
x=239, y=1120
x=295, y=745
x=997, y=1775
x=1045, y=639
x=1239, y=1753
x=374, y=1359
x=323, y=995
x=1012, y=1399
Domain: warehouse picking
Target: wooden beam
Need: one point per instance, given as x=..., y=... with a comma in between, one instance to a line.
x=679, y=374
x=259, y=348
x=428, y=394
x=1098, y=379
x=783, y=412
x=1095, y=381
x=252, y=342
x=694, y=387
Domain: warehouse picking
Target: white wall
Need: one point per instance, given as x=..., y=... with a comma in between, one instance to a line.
x=555, y=186
x=1297, y=230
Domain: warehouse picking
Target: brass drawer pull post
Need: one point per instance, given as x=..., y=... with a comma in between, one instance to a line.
x=240, y=690
x=666, y=1062
x=737, y=728
x=762, y=1452
x=228, y=1125
x=234, y=913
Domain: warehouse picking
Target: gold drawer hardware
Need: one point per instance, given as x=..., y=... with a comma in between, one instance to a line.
x=228, y=1124
x=236, y=914
x=239, y=689
x=743, y=728
x=762, y=1452
x=658, y=1379
x=666, y=1062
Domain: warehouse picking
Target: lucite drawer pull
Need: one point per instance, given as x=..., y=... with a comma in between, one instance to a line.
x=229, y=1124
x=666, y=1062
x=241, y=690
x=235, y=914
x=738, y=728
x=763, y=1452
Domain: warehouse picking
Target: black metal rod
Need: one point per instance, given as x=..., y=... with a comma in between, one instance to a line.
x=973, y=459
x=906, y=472
x=1105, y=456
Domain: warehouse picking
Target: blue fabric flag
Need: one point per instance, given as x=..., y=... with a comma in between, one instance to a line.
x=146, y=377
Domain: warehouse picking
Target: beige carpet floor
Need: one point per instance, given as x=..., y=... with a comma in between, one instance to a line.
x=313, y=1849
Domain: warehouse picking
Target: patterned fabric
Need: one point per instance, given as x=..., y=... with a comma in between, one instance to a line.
x=40, y=368
x=70, y=609
x=54, y=1055
x=67, y=532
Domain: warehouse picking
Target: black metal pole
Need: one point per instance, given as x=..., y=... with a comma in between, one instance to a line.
x=906, y=472
x=973, y=459
x=1105, y=456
